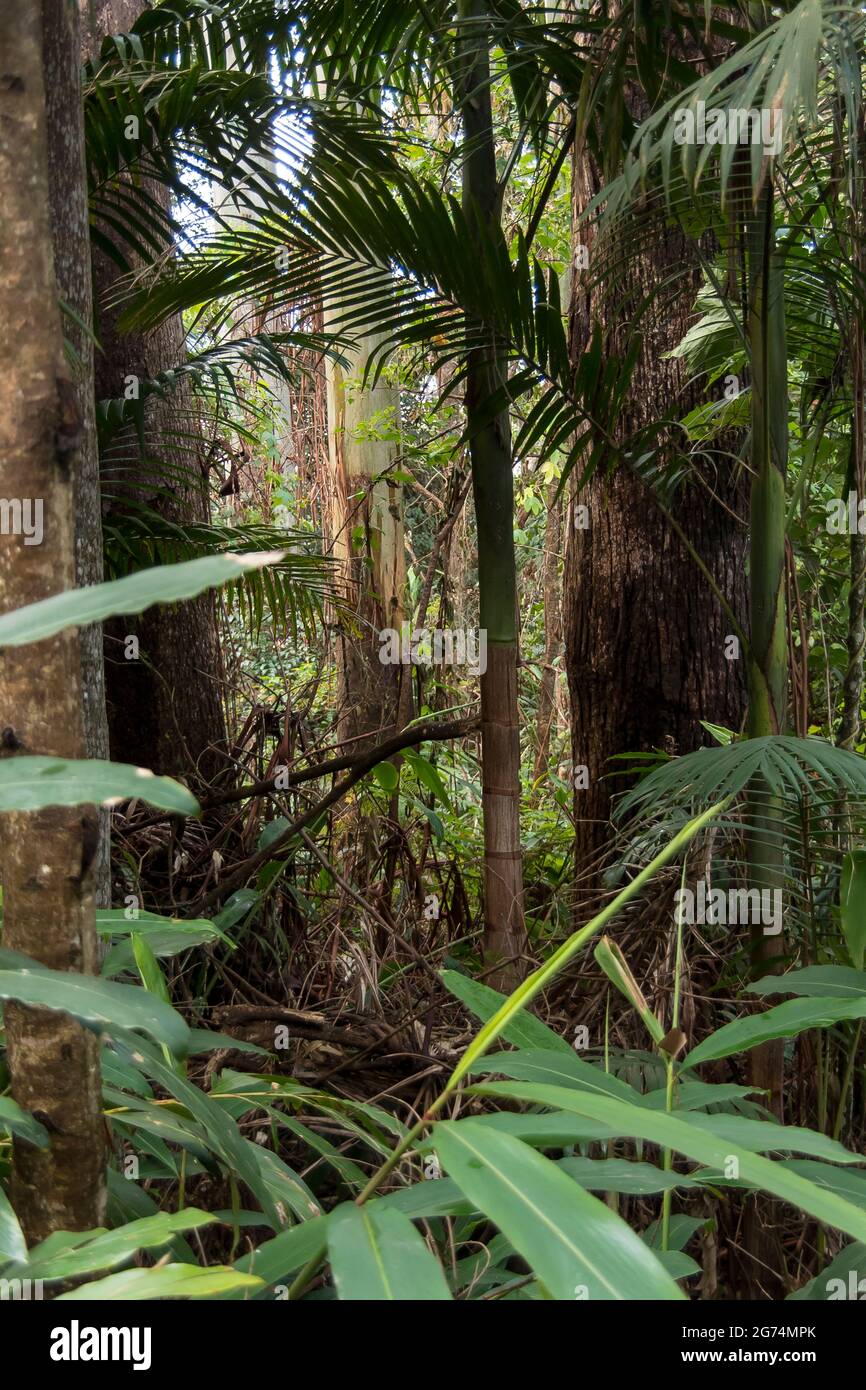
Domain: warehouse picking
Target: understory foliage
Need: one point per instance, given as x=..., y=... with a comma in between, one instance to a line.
x=310, y=1090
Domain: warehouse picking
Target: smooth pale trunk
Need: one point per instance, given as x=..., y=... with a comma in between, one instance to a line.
x=366, y=529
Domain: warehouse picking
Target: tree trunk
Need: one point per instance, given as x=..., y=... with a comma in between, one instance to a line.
x=645, y=635
x=164, y=707
x=366, y=530
x=70, y=220
x=493, y=491
x=550, y=587
x=47, y=855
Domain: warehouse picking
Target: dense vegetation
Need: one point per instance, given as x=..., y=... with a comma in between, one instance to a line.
x=432, y=628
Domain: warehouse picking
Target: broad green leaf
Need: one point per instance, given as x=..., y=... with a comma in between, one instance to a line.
x=166, y=936
x=817, y=981
x=549, y=1131
x=848, y=1182
x=676, y=1264
x=524, y=1030
x=133, y=594
x=852, y=904
x=762, y=1136
x=277, y=1186
x=429, y=1198
x=277, y=1189
x=288, y=1252
x=237, y=906
x=696, y=1095
x=428, y=775
x=154, y=982
x=624, y=1175
x=500, y=1023
x=166, y=1281
x=164, y=1126
x=578, y=1247
x=680, y=1132
x=148, y=968
x=843, y=1280
x=557, y=1068
x=784, y=1021
x=91, y=1251
x=387, y=776
x=682, y=1229
x=22, y=1123
x=100, y=1005
x=127, y=1201
x=376, y=1256
x=28, y=784
x=13, y=1246
x=368, y=1123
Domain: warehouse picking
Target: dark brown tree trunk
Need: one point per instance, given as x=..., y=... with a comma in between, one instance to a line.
x=552, y=629
x=645, y=635
x=164, y=706
x=47, y=856
x=70, y=220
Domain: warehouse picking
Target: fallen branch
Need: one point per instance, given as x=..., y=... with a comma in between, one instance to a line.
x=360, y=764
x=427, y=732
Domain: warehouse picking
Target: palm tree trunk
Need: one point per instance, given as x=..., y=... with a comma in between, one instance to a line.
x=852, y=684
x=768, y=652
x=767, y=667
x=47, y=855
x=493, y=490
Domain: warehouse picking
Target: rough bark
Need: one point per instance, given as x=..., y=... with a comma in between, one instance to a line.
x=644, y=634
x=164, y=709
x=47, y=855
x=552, y=629
x=70, y=221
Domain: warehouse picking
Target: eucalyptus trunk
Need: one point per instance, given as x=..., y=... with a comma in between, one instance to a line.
x=367, y=540
x=47, y=856
x=493, y=491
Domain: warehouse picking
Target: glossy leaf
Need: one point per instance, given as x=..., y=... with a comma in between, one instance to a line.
x=679, y=1132
x=100, y=1005
x=577, y=1246
x=166, y=1281
x=377, y=1256
x=852, y=904
x=97, y=1250
x=28, y=784
x=133, y=594
x=784, y=1021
